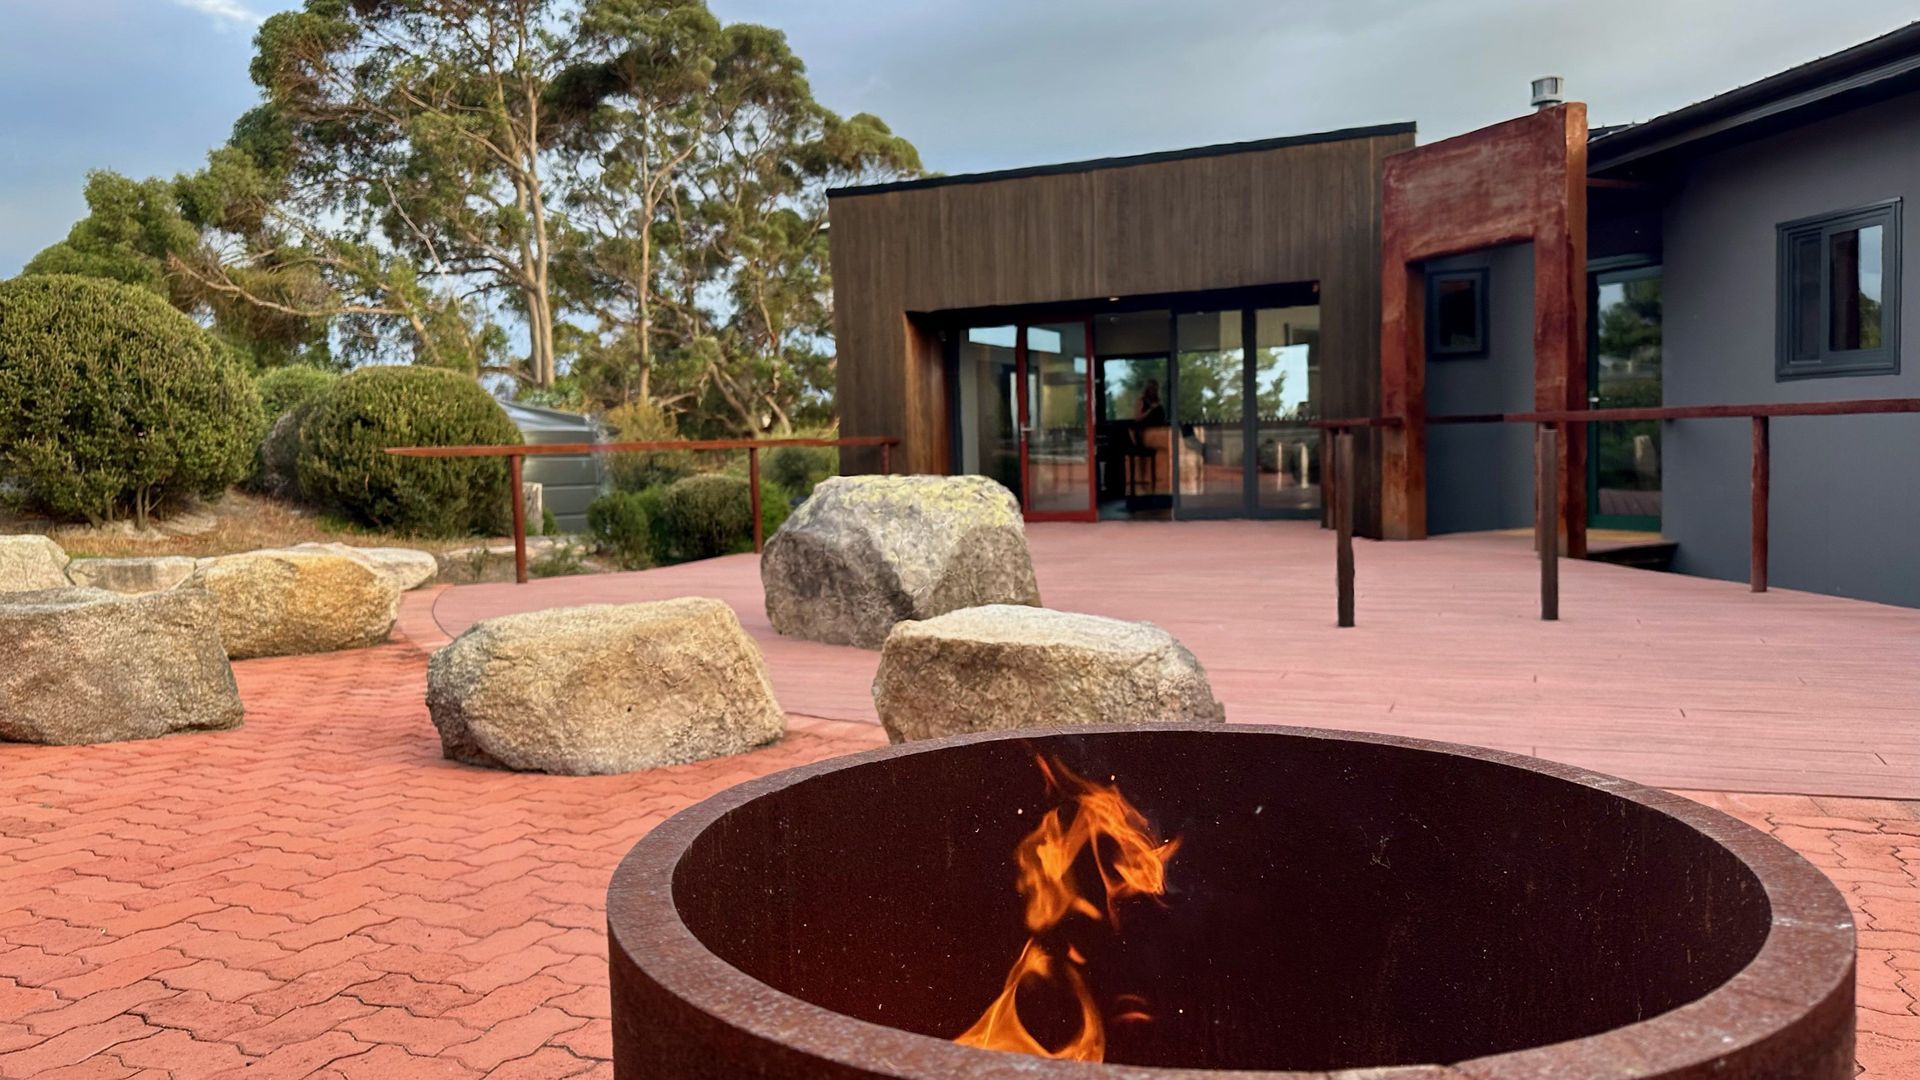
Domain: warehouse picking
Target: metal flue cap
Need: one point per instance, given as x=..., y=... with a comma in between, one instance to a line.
x=1549, y=90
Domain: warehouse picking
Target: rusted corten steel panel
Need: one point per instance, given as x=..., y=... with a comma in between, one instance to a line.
x=1337, y=901
x=1520, y=181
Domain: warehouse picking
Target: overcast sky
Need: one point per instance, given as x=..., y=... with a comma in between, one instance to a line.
x=147, y=86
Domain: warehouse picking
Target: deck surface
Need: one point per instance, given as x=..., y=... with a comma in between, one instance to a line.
x=320, y=894
x=1670, y=680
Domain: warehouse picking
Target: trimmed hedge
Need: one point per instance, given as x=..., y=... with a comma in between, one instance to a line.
x=799, y=468
x=112, y=402
x=708, y=515
x=282, y=388
x=342, y=465
x=623, y=525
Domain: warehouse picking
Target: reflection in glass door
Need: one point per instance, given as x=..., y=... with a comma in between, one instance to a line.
x=1210, y=377
x=1058, y=421
x=1624, y=459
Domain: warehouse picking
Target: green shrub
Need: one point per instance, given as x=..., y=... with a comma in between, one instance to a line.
x=282, y=388
x=343, y=466
x=112, y=402
x=561, y=560
x=704, y=516
x=623, y=524
x=548, y=525
x=642, y=421
x=799, y=468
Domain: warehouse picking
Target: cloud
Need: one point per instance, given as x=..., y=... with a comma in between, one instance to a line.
x=225, y=12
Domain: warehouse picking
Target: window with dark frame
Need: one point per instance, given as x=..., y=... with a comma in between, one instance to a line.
x=1839, y=294
x=1457, y=313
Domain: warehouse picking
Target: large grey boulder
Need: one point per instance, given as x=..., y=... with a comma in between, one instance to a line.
x=283, y=603
x=606, y=688
x=407, y=568
x=87, y=666
x=30, y=562
x=866, y=552
x=1001, y=667
x=132, y=576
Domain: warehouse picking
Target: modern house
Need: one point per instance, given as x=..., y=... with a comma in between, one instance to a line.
x=1151, y=336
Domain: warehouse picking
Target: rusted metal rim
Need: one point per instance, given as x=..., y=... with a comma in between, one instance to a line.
x=1799, y=982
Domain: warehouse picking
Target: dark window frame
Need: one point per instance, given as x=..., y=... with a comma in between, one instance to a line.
x=1479, y=277
x=1826, y=361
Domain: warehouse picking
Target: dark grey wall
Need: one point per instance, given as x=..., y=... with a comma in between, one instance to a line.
x=1480, y=476
x=1846, y=490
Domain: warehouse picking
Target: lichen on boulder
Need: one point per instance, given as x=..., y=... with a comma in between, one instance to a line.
x=605, y=688
x=1001, y=667
x=284, y=603
x=90, y=666
x=866, y=552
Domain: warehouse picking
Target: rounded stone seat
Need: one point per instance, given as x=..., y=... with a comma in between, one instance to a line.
x=605, y=688
x=90, y=666
x=30, y=562
x=285, y=603
x=1002, y=666
x=866, y=552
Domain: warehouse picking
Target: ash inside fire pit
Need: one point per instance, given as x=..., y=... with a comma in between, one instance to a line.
x=1337, y=901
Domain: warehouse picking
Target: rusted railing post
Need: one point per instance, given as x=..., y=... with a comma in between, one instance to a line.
x=1343, y=526
x=1546, y=518
x=753, y=495
x=519, y=517
x=1326, y=478
x=1762, y=467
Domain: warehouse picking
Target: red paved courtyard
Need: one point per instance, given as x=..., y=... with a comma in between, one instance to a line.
x=319, y=894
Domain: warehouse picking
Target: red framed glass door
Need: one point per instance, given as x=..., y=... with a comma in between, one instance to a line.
x=1056, y=420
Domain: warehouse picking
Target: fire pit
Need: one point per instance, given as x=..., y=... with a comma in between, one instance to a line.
x=1326, y=901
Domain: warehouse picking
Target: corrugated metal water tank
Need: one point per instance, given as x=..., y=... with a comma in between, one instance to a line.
x=568, y=481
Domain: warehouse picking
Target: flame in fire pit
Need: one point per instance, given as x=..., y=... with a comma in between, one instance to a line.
x=1130, y=861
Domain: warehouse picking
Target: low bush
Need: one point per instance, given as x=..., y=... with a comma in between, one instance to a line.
x=704, y=516
x=282, y=388
x=112, y=402
x=623, y=525
x=799, y=468
x=642, y=421
x=343, y=466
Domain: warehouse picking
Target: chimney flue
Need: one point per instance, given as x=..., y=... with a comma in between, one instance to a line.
x=1548, y=90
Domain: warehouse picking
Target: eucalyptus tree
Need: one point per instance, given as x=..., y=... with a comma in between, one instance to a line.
x=418, y=128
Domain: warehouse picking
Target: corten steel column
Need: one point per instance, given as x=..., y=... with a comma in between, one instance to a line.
x=1522, y=181
x=519, y=518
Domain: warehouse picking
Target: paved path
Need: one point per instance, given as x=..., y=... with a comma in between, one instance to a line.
x=1669, y=680
x=319, y=894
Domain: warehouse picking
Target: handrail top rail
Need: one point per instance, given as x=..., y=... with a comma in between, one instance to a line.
x=1854, y=407
x=535, y=449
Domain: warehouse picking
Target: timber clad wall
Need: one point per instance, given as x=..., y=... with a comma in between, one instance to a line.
x=1288, y=211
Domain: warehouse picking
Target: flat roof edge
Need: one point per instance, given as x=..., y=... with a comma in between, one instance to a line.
x=1155, y=158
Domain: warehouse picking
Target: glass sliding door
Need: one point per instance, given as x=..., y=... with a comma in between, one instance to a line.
x=986, y=392
x=1058, y=420
x=1210, y=410
x=1624, y=371
x=1286, y=378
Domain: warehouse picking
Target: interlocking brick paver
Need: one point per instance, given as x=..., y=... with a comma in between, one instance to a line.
x=320, y=893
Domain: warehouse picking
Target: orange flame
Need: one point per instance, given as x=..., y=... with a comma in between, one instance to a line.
x=1130, y=861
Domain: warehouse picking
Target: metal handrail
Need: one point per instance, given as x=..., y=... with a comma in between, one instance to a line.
x=516, y=454
x=1547, y=509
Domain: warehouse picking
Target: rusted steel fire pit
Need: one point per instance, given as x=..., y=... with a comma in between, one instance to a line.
x=1334, y=901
